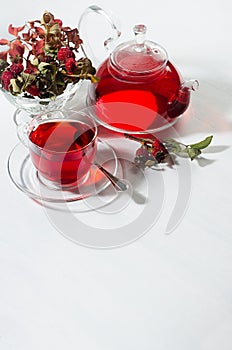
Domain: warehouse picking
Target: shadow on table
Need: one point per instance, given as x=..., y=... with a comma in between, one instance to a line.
x=210, y=112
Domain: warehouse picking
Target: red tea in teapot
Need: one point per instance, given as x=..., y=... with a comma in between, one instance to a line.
x=139, y=105
x=139, y=89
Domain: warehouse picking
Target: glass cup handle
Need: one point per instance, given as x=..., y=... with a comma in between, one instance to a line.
x=22, y=126
x=22, y=130
x=16, y=117
x=109, y=41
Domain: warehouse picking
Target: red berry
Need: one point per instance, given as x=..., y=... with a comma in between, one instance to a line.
x=70, y=65
x=158, y=150
x=64, y=53
x=16, y=68
x=157, y=147
x=33, y=90
x=28, y=71
x=6, y=77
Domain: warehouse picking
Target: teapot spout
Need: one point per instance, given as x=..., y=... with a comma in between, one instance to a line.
x=181, y=102
x=189, y=85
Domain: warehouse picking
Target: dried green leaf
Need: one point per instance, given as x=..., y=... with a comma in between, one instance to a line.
x=16, y=89
x=35, y=62
x=43, y=66
x=193, y=152
x=150, y=162
x=28, y=79
x=202, y=144
x=3, y=65
x=47, y=18
x=173, y=146
x=54, y=29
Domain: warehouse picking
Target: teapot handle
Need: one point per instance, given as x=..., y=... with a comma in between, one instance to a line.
x=108, y=42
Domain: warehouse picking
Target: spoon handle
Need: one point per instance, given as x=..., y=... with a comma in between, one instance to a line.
x=118, y=184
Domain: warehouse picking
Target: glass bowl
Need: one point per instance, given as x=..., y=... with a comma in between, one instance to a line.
x=37, y=105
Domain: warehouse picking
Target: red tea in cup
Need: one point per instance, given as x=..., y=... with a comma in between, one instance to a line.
x=63, y=151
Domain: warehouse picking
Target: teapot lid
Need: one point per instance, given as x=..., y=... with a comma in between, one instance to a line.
x=140, y=56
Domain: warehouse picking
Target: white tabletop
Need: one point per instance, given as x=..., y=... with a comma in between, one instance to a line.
x=168, y=285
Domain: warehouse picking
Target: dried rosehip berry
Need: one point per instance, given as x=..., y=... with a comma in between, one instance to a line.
x=16, y=68
x=70, y=65
x=33, y=90
x=6, y=78
x=64, y=53
x=141, y=156
x=158, y=150
x=157, y=146
x=28, y=71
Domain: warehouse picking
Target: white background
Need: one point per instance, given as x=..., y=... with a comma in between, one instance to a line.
x=164, y=292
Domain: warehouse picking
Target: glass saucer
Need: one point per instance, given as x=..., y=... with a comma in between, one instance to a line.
x=84, y=198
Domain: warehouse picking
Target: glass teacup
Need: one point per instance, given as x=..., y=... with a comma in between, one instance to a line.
x=62, y=147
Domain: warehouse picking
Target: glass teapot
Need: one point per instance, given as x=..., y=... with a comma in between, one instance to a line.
x=139, y=89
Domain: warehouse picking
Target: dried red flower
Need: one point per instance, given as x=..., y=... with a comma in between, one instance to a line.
x=42, y=59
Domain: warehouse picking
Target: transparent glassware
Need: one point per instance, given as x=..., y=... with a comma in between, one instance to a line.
x=37, y=105
x=60, y=160
x=139, y=89
x=27, y=108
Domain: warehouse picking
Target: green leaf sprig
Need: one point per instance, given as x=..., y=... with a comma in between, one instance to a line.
x=193, y=150
x=154, y=151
